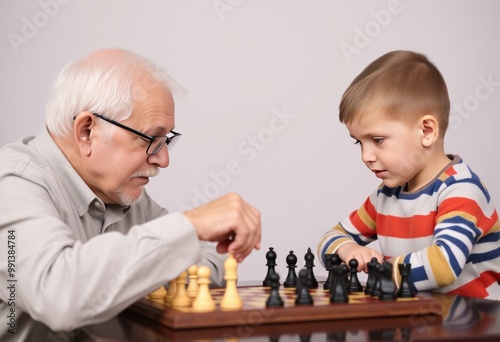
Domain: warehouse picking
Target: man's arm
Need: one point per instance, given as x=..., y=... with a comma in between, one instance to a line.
x=66, y=283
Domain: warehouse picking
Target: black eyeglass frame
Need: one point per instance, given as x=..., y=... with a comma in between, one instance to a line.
x=169, y=141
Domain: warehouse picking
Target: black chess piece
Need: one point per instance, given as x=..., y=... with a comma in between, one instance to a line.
x=375, y=290
x=371, y=276
x=328, y=266
x=271, y=263
x=312, y=283
x=291, y=279
x=305, y=337
x=405, y=290
x=354, y=283
x=338, y=336
x=274, y=299
x=303, y=295
x=387, y=286
x=339, y=292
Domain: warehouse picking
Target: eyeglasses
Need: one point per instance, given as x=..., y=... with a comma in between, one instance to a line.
x=155, y=142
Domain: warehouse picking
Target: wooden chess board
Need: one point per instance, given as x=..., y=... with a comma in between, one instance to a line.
x=255, y=311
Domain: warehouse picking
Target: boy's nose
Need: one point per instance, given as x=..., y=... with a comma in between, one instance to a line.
x=367, y=155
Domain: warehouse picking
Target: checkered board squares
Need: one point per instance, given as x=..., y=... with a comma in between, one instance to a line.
x=254, y=303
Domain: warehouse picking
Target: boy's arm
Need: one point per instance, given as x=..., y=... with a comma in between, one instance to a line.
x=464, y=216
x=349, y=237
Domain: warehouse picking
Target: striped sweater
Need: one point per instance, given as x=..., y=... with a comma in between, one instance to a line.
x=449, y=231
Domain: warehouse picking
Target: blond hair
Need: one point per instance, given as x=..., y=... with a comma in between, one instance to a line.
x=404, y=85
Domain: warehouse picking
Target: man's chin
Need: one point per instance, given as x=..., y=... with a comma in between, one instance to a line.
x=127, y=200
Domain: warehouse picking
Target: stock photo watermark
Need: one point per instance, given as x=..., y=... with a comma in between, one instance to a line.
x=222, y=7
x=32, y=24
x=11, y=283
x=248, y=150
x=364, y=35
x=482, y=91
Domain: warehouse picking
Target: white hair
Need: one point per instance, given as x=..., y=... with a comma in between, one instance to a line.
x=104, y=85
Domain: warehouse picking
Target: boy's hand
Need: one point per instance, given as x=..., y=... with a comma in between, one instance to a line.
x=362, y=254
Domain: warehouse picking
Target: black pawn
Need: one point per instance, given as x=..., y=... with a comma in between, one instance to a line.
x=271, y=263
x=354, y=283
x=328, y=266
x=371, y=276
x=291, y=279
x=335, y=261
x=303, y=295
x=274, y=299
x=312, y=283
x=387, y=287
x=339, y=292
x=405, y=290
x=375, y=290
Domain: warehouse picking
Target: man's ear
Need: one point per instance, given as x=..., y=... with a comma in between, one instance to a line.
x=429, y=127
x=82, y=132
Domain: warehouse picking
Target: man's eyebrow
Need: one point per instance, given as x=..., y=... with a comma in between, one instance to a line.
x=157, y=131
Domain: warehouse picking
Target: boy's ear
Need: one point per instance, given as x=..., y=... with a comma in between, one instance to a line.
x=82, y=132
x=429, y=126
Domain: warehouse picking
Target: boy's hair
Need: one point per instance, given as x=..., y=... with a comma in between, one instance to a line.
x=403, y=84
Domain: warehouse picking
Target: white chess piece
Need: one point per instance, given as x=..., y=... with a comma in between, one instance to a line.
x=181, y=298
x=192, y=289
x=158, y=293
x=203, y=301
x=231, y=299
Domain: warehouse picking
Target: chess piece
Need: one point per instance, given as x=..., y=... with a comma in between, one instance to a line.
x=172, y=289
x=387, y=287
x=375, y=291
x=311, y=280
x=328, y=266
x=291, y=279
x=303, y=295
x=192, y=289
x=370, y=281
x=203, y=301
x=158, y=293
x=181, y=298
x=274, y=299
x=405, y=290
x=231, y=299
x=339, y=292
x=271, y=263
x=354, y=283
x=335, y=261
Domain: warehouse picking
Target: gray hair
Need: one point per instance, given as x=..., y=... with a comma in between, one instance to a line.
x=102, y=84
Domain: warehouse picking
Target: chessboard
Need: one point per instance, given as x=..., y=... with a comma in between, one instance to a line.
x=255, y=312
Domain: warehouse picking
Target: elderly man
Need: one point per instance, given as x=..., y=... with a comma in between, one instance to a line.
x=80, y=236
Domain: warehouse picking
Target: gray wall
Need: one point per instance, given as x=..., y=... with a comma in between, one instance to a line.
x=264, y=79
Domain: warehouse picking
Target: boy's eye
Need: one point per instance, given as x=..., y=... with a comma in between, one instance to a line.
x=378, y=141
x=357, y=142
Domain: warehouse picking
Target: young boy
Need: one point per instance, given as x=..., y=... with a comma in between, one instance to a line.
x=431, y=209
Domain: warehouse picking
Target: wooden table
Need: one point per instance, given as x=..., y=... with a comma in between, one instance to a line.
x=462, y=318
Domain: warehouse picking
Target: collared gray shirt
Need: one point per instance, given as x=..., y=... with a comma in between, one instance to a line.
x=69, y=259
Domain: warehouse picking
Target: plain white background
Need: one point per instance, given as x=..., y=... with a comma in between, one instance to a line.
x=264, y=79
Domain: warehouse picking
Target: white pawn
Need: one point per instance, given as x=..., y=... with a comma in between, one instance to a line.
x=192, y=289
x=158, y=293
x=172, y=288
x=181, y=298
x=231, y=299
x=203, y=301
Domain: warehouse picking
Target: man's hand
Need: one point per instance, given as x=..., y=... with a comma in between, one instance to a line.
x=231, y=222
x=362, y=254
